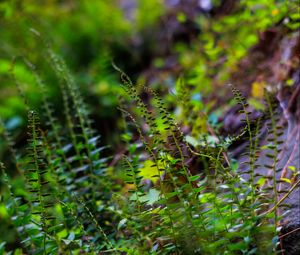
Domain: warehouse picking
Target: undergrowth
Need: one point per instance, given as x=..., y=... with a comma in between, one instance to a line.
x=71, y=202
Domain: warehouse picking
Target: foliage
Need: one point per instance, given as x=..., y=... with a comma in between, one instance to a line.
x=88, y=52
x=159, y=190
x=224, y=40
x=240, y=31
x=70, y=203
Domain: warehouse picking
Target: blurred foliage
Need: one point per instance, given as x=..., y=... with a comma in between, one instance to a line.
x=224, y=40
x=88, y=35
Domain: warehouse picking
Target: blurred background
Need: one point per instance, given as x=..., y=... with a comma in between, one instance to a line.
x=155, y=42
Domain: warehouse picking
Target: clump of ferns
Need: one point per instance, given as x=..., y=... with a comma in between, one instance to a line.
x=84, y=177
x=39, y=182
x=231, y=203
x=16, y=204
x=77, y=166
x=153, y=145
x=16, y=201
x=275, y=131
x=40, y=220
x=88, y=167
x=141, y=215
x=178, y=191
x=276, y=182
x=264, y=187
x=87, y=158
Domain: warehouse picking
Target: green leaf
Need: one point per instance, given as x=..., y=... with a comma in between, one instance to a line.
x=194, y=177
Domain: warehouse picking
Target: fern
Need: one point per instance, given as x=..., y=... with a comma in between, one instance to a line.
x=38, y=179
x=75, y=206
x=241, y=199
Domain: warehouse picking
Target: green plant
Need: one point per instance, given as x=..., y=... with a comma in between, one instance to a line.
x=71, y=200
x=220, y=211
x=67, y=194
